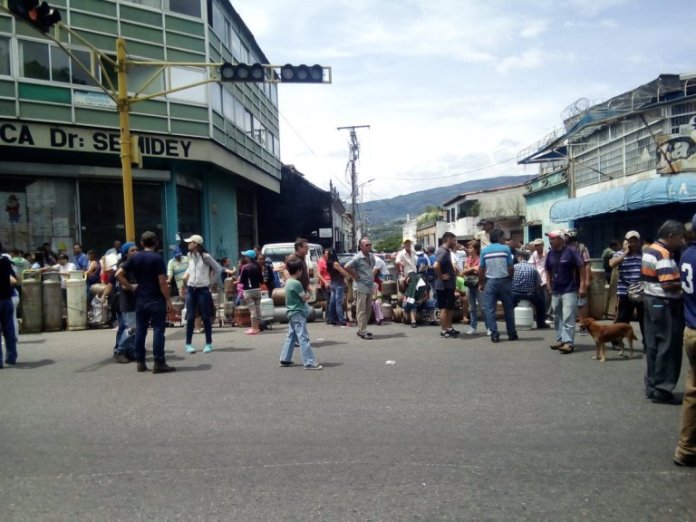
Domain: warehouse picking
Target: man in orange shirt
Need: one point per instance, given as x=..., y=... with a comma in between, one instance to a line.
x=663, y=313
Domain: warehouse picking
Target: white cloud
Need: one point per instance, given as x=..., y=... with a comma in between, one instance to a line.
x=529, y=59
x=533, y=29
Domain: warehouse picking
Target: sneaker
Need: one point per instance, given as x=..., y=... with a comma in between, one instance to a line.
x=208, y=348
x=314, y=367
x=556, y=345
x=471, y=331
x=364, y=335
x=566, y=348
x=189, y=349
x=447, y=334
x=454, y=332
x=549, y=321
x=162, y=367
x=495, y=338
x=286, y=364
x=513, y=337
x=121, y=358
x=414, y=325
x=488, y=332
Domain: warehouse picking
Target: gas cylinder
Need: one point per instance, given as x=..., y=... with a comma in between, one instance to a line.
x=524, y=315
x=31, y=301
x=387, y=312
x=76, y=290
x=388, y=289
x=267, y=309
x=52, y=302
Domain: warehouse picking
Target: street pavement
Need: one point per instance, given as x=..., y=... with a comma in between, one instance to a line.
x=457, y=429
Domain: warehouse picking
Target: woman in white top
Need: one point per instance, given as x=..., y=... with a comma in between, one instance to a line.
x=203, y=271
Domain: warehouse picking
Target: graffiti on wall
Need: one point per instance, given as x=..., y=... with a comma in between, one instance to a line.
x=677, y=152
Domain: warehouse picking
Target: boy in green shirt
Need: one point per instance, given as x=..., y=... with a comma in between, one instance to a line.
x=295, y=301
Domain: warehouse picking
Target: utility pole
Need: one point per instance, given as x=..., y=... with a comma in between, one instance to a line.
x=354, y=151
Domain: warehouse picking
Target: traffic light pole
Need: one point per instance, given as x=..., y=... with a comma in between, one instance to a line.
x=123, y=104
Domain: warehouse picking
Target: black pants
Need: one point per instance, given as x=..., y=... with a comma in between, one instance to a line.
x=625, y=311
x=664, y=335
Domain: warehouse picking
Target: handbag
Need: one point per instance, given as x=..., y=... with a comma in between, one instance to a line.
x=636, y=292
x=471, y=281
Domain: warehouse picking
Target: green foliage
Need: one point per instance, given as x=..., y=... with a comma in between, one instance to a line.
x=389, y=244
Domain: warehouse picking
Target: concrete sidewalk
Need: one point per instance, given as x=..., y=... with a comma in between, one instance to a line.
x=457, y=429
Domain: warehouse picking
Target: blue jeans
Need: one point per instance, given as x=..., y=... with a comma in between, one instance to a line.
x=335, y=314
x=297, y=332
x=150, y=312
x=476, y=299
x=499, y=290
x=126, y=343
x=8, y=331
x=564, y=308
x=199, y=298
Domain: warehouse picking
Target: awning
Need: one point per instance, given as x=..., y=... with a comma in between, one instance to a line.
x=679, y=188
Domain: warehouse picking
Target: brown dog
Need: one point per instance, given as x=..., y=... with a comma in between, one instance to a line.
x=603, y=333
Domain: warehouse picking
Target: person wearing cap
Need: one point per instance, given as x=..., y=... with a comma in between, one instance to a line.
x=124, y=351
x=406, y=263
x=495, y=281
x=483, y=236
x=152, y=301
x=567, y=278
x=202, y=272
x=685, y=452
x=176, y=269
x=629, y=261
x=538, y=259
x=664, y=313
x=580, y=248
x=251, y=277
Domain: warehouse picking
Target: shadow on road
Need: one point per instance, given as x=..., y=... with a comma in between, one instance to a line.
x=322, y=344
x=35, y=341
x=392, y=336
x=199, y=368
x=232, y=349
x=34, y=364
x=330, y=364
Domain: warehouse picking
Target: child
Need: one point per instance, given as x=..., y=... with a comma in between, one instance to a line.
x=295, y=301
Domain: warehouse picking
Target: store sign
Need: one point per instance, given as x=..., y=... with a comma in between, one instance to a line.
x=93, y=99
x=56, y=137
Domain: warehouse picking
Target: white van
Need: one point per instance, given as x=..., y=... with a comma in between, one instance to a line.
x=277, y=252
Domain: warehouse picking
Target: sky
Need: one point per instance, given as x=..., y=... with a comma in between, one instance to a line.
x=453, y=90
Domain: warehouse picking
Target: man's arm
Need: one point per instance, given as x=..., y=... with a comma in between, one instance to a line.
x=125, y=284
x=164, y=288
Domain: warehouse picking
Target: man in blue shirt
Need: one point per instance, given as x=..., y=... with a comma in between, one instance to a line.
x=526, y=285
x=151, y=300
x=565, y=269
x=685, y=454
x=495, y=281
x=81, y=259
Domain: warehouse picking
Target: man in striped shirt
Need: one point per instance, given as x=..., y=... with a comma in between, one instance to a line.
x=629, y=260
x=664, y=315
x=495, y=281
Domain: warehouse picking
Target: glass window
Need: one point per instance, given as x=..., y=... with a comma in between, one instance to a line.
x=187, y=7
x=228, y=104
x=215, y=93
x=236, y=45
x=219, y=23
x=239, y=114
x=5, y=56
x=180, y=77
x=79, y=76
x=148, y=3
x=60, y=65
x=248, y=122
x=245, y=54
x=34, y=59
x=141, y=74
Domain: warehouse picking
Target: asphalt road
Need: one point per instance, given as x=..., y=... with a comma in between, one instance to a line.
x=457, y=429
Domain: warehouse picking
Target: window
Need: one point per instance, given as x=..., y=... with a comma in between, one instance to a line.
x=60, y=65
x=79, y=76
x=187, y=7
x=215, y=93
x=157, y=4
x=220, y=24
x=228, y=104
x=239, y=114
x=35, y=60
x=141, y=74
x=236, y=46
x=179, y=77
x=5, y=56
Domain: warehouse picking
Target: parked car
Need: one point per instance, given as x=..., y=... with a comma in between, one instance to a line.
x=277, y=252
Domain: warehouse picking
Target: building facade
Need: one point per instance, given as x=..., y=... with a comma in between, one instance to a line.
x=207, y=151
x=630, y=161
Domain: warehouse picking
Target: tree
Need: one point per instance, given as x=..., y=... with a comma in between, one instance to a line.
x=388, y=244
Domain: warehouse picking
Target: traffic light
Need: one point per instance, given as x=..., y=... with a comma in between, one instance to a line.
x=242, y=72
x=302, y=73
x=40, y=15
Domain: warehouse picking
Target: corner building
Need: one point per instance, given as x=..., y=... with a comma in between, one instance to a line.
x=207, y=151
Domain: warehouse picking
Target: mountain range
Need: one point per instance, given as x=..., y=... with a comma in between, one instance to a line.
x=379, y=212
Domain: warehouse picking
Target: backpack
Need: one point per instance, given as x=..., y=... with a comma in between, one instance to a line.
x=422, y=262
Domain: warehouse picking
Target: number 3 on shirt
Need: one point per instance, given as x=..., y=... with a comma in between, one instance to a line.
x=688, y=281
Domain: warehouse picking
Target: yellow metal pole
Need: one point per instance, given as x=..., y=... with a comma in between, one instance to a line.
x=124, y=121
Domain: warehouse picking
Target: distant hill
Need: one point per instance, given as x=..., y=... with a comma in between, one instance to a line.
x=381, y=211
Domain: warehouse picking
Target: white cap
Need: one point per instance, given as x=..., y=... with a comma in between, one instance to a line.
x=195, y=238
x=632, y=233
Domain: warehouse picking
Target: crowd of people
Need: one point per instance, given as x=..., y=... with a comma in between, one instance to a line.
x=653, y=282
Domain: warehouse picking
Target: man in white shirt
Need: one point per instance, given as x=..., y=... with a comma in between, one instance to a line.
x=484, y=235
x=406, y=263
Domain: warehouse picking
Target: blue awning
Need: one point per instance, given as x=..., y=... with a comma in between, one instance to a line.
x=679, y=188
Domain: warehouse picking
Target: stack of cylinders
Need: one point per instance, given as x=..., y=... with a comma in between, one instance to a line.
x=52, y=302
x=76, y=289
x=31, y=301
